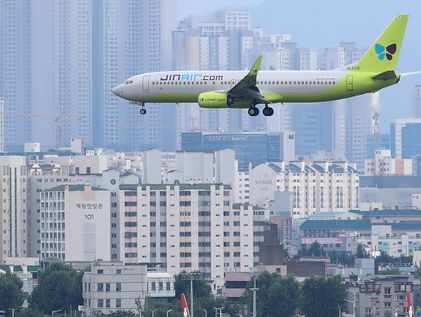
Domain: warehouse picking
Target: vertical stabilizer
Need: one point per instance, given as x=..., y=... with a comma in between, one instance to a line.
x=383, y=55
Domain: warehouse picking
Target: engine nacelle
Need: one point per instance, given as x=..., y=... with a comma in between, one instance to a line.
x=213, y=99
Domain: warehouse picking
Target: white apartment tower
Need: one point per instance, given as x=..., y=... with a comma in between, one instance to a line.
x=315, y=187
x=189, y=228
x=13, y=204
x=75, y=223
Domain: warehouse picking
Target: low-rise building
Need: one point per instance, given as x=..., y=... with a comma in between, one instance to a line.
x=384, y=165
x=160, y=286
x=112, y=286
x=27, y=269
x=396, y=232
x=383, y=296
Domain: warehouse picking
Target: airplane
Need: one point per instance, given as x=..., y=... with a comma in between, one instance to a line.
x=184, y=305
x=239, y=89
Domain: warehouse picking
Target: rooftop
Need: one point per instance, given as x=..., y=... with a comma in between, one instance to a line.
x=74, y=188
x=389, y=213
x=363, y=224
x=172, y=186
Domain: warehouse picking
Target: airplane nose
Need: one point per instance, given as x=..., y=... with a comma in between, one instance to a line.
x=118, y=90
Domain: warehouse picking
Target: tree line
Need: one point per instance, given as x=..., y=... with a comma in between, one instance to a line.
x=60, y=288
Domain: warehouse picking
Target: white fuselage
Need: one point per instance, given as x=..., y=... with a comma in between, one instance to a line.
x=185, y=86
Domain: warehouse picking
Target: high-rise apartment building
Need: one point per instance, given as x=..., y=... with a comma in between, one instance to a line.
x=75, y=223
x=410, y=138
x=342, y=128
x=15, y=69
x=61, y=60
x=13, y=204
x=189, y=227
x=315, y=187
x=1, y=124
x=416, y=101
x=157, y=20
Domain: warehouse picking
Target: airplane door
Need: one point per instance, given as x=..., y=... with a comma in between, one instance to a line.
x=349, y=83
x=145, y=84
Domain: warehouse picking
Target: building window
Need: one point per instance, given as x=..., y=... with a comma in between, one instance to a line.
x=118, y=271
x=387, y=290
x=118, y=303
x=107, y=287
x=100, y=271
x=107, y=303
x=100, y=287
x=118, y=287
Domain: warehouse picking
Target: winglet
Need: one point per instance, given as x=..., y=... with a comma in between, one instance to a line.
x=256, y=67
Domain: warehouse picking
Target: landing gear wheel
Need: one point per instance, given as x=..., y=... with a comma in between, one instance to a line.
x=142, y=111
x=268, y=111
x=253, y=111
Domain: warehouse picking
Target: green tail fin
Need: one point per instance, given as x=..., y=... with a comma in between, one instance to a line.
x=383, y=55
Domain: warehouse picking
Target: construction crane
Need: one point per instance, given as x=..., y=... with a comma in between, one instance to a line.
x=58, y=119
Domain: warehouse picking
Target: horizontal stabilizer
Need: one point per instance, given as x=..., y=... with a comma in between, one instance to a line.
x=389, y=74
x=410, y=73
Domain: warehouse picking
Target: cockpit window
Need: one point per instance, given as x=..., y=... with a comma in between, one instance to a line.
x=128, y=82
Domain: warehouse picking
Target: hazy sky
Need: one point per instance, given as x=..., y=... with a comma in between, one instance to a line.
x=324, y=23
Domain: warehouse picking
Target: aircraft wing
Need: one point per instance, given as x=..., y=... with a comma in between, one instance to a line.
x=246, y=88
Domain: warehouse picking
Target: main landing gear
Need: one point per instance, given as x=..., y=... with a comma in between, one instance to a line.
x=142, y=110
x=268, y=111
x=254, y=111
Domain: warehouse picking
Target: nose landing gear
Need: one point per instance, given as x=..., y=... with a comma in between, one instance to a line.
x=142, y=110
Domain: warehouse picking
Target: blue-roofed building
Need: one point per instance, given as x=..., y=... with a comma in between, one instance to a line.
x=250, y=147
x=396, y=232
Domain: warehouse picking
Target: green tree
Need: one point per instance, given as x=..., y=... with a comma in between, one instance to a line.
x=386, y=260
x=361, y=252
x=276, y=296
x=29, y=313
x=315, y=249
x=11, y=295
x=59, y=287
x=391, y=271
x=200, y=288
x=323, y=296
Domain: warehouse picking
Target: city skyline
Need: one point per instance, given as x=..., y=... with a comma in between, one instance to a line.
x=104, y=212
